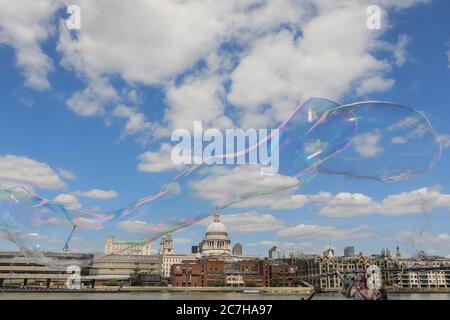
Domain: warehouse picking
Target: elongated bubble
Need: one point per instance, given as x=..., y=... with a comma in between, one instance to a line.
x=392, y=143
x=372, y=140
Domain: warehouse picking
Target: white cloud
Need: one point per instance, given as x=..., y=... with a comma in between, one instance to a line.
x=135, y=121
x=346, y=204
x=166, y=38
x=226, y=185
x=66, y=174
x=422, y=200
x=51, y=221
x=157, y=161
x=367, y=144
x=400, y=53
x=25, y=25
x=374, y=84
x=427, y=241
x=398, y=140
x=199, y=97
x=91, y=101
x=284, y=246
x=29, y=173
x=179, y=241
x=333, y=54
x=97, y=194
x=69, y=200
x=230, y=187
x=444, y=139
x=139, y=226
x=251, y=222
x=317, y=232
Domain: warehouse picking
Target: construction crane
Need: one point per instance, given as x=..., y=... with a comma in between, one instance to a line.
x=66, y=245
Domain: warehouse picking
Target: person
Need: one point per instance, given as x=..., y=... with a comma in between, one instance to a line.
x=380, y=294
x=359, y=290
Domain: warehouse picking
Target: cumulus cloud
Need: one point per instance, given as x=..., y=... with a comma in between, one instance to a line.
x=427, y=241
x=398, y=140
x=284, y=245
x=29, y=173
x=66, y=174
x=400, y=53
x=198, y=98
x=97, y=194
x=333, y=54
x=422, y=200
x=249, y=222
x=444, y=139
x=179, y=241
x=226, y=185
x=139, y=226
x=157, y=161
x=285, y=51
x=69, y=200
x=317, y=232
x=135, y=120
x=24, y=25
x=367, y=144
x=92, y=100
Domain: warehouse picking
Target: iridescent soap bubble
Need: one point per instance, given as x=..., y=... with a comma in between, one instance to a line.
x=392, y=143
x=373, y=140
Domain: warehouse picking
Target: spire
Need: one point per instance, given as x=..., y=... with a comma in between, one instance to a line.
x=216, y=215
x=398, y=254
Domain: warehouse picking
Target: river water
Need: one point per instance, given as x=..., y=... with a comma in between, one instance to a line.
x=197, y=296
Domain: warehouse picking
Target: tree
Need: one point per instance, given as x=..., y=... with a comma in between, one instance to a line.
x=277, y=281
x=111, y=282
x=220, y=283
x=136, y=278
x=298, y=281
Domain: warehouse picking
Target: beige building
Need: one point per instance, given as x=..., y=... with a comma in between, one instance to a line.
x=169, y=257
x=167, y=260
x=418, y=273
x=120, y=267
x=127, y=247
x=17, y=269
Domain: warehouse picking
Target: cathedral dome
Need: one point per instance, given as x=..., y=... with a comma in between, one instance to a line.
x=216, y=226
x=216, y=239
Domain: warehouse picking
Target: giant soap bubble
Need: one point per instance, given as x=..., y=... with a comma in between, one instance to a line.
x=369, y=140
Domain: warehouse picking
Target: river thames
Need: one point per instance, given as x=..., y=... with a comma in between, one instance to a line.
x=198, y=296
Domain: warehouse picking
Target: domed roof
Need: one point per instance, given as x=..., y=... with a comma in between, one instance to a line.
x=216, y=226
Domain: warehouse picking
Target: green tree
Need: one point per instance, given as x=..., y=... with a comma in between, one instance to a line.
x=297, y=281
x=136, y=278
x=220, y=283
x=112, y=282
x=277, y=281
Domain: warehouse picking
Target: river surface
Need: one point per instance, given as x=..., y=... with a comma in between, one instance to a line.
x=197, y=296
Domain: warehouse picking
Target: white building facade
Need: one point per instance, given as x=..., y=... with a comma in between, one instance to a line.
x=216, y=240
x=115, y=246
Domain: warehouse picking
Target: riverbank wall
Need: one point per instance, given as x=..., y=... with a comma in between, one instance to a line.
x=244, y=290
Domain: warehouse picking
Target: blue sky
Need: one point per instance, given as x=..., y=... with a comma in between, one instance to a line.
x=85, y=115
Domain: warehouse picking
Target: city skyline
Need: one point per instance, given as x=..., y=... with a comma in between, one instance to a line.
x=86, y=115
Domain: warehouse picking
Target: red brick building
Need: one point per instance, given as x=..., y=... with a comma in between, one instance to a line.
x=285, y=273
x=198, y=273
x=210, y=272
x=188, y=273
